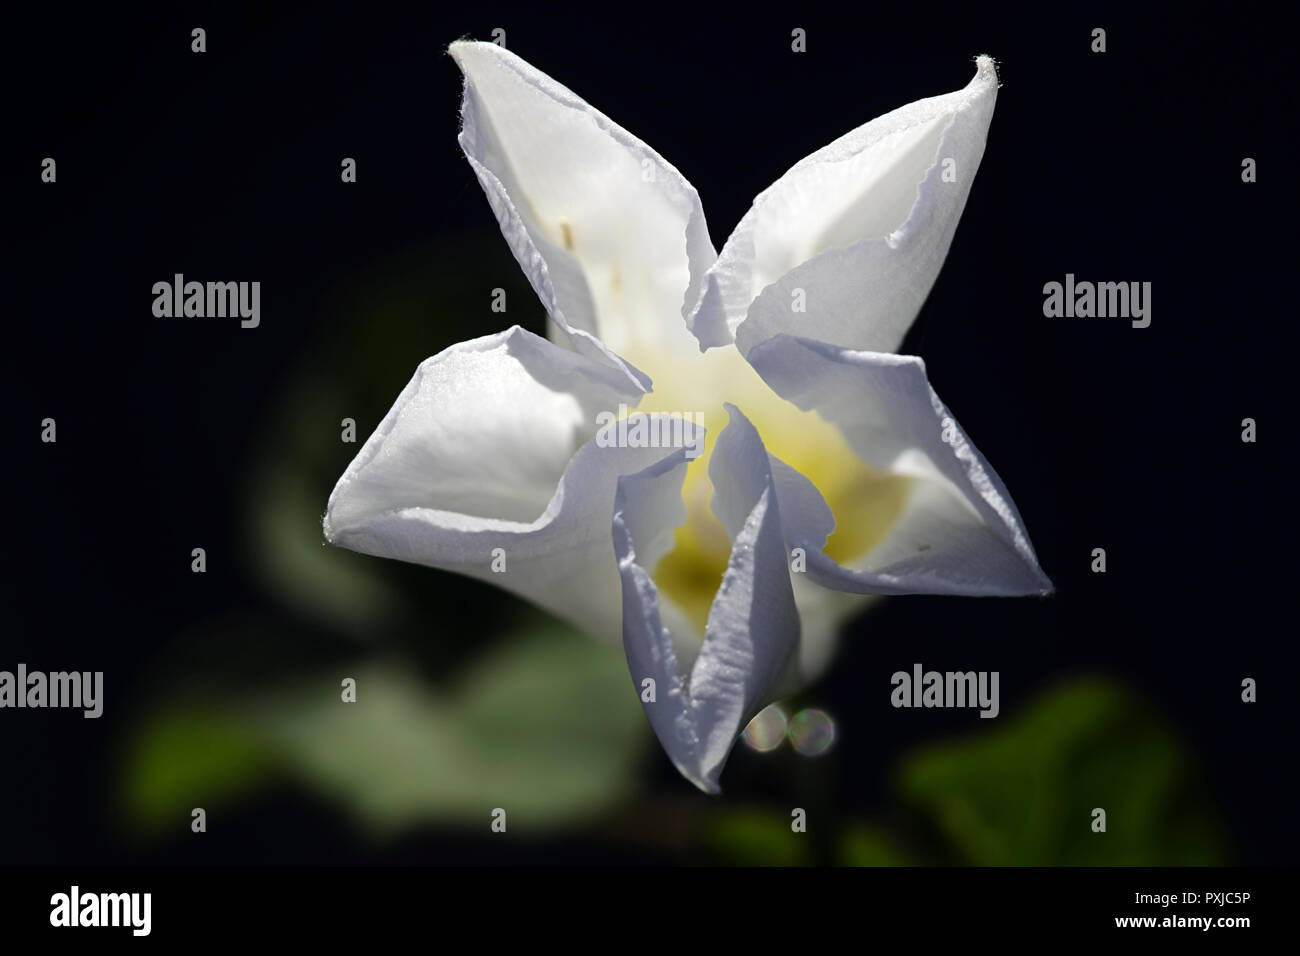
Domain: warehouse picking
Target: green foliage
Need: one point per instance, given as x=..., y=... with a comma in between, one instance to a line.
x=1024, y=794
x=749, y=836
x=545, y=725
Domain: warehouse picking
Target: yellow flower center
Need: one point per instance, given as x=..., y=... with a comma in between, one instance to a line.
x=865, y=501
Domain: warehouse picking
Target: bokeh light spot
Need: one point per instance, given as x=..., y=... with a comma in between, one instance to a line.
x=766, y=731
x=812, y=732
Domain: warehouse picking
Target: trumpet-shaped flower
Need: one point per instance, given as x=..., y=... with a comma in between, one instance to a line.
x=830, y=470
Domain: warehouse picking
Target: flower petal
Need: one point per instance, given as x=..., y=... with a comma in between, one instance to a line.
x=490, y=447
x=753, y=626
x=640, y=503
x=960, y=532
x=861, y=226
x=611, y=236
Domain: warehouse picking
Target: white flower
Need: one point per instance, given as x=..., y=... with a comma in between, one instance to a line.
x=836, y=456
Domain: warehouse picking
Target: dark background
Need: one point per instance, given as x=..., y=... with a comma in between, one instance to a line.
x=1119, y=166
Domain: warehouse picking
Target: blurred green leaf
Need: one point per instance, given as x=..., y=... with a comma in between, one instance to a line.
x=864, y=845
x=745, y=836
x=754, y=836
x=191, y=756
x=545, y=725
x=1024, y=794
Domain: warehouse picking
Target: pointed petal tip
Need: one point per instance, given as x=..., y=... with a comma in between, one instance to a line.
x=1035, y=583
x=335, y=535
x=1041, y=585
x=328, y=531
x=465, y=50
x=986, y=69
x=705, y=783
x=456, y=48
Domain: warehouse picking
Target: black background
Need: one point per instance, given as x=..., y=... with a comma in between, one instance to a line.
x=1120, y=166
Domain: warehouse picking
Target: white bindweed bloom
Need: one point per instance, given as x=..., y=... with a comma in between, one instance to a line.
x=830, y=468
